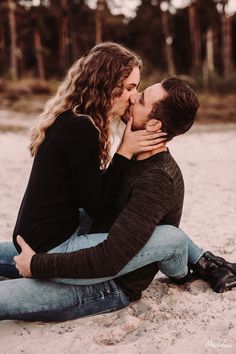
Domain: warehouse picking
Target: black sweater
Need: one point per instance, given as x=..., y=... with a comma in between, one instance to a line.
x=66, y=176
x=152, y=193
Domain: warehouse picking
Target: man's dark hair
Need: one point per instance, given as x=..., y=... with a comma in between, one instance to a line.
x=177, y=110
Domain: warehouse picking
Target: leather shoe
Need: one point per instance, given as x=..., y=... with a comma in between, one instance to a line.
x=216, y=271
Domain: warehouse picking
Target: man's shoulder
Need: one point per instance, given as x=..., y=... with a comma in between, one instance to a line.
x=161, y=170
x=159, y=165
x=155, y=175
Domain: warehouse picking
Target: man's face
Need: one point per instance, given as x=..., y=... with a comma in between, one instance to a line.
x=141, y=105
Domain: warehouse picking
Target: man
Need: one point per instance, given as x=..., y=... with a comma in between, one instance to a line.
x=152, y=194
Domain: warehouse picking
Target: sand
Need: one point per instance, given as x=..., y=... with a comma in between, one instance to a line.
x=168, y=319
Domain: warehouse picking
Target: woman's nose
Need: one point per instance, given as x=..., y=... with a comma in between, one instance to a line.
x=134, y=97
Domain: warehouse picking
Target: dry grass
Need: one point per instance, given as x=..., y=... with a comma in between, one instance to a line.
x=30, y=95
x=216, y=108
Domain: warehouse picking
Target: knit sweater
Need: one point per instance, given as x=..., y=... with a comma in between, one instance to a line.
x=66, y=176
x=152, y=193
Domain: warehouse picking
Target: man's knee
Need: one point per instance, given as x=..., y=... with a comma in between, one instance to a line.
x=173, y=236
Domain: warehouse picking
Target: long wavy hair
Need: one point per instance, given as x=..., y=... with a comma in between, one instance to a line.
x=90, y=87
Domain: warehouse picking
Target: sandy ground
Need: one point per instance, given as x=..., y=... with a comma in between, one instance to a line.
x=168, y=319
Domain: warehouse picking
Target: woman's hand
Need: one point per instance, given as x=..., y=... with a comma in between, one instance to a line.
x=24, y=259
x=135, y=142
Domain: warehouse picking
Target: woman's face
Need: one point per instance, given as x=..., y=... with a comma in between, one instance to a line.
x=131, y=84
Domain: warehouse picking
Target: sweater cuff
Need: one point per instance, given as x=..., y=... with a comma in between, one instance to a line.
x=35, y=266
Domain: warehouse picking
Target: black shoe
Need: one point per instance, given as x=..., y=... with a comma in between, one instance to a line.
x=183, y=280
x=222, y=280
x=216, y=271
x=221, y=262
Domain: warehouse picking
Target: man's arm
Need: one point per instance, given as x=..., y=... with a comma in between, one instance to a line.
x=151, y=199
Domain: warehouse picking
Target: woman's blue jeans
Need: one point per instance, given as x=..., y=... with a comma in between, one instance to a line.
x=63, y=299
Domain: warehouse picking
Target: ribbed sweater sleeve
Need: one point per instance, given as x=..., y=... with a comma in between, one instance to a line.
x=93, y=189
x=128, y=235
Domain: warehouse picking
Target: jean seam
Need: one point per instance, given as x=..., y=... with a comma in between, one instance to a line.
x=179, y=256
x=176, y=258
x=68, y=308
x=153, y=254
x=112, y=292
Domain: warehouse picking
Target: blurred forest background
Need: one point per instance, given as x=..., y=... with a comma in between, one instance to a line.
x=40, y=39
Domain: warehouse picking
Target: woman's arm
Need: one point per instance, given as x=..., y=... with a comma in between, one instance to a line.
x=93, y=189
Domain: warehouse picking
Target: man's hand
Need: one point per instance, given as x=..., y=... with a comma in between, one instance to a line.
x=24, y=259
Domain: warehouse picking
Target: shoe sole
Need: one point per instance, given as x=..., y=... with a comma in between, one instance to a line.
x=223, y=287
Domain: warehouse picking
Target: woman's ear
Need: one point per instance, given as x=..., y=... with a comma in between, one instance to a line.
x=153, y=125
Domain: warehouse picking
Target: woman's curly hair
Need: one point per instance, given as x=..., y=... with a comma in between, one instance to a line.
x=91, y=85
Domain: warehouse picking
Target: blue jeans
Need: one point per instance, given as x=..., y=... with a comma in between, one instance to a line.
x=64, y=299
x=168, y=245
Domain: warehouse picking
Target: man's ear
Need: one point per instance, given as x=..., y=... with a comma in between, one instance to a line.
x=153, y=125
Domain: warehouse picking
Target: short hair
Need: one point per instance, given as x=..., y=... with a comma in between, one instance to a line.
x=177, y=110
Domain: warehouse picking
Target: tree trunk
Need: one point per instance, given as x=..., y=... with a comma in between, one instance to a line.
x=13, y=48
x=227, y=45
x=64, y=50
x=208, y=65
x=39, y=55
x=168, y=43
x=210, y=51
x=63, y=43
x=195, y=37
x=73, y=33
x=2, y=39
x=98, y=20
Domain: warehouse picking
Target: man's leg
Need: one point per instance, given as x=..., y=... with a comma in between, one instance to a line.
x=37, y=300
x=167, y=245
x=194, y=251
x=215, y=270
x=7, y=264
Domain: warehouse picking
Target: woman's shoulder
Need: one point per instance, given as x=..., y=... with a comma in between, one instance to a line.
x=77, y=121
x=77, y=130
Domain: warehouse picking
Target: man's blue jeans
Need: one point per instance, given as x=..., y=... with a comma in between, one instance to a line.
x=63, y=299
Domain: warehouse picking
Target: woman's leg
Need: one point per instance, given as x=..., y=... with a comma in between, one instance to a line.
x=36, y=300
x=168, y=246
x=7, y=264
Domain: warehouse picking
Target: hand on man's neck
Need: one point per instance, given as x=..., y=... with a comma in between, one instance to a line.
x=152, y=126
x=147, y=154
